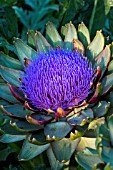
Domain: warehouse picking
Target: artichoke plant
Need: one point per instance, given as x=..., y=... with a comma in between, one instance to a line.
x=51, y=96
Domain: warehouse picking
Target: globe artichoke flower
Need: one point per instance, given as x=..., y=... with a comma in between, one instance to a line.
x=57, y=86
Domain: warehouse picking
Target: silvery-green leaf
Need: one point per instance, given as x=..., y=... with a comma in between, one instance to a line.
x=52, y=130
x=5, y=93
x=7, y=138
x=24, y=51
x=41, y=43
x=83, y=34
x=31, y=38
x=53, y=35
x=30, y=150
x=64, y=149
x=10, y=75
x=96, y=46
x=10, y=62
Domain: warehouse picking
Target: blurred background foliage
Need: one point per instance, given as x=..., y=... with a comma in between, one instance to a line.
x=18, y=16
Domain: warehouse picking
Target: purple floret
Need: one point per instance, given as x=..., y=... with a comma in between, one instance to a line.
x=59, y=78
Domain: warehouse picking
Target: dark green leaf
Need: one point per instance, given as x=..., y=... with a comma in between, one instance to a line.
x=31, y=38
x=10, y=75
x=101, y=109
x=52, y=159
x=80, y=118
x=9, y=62
x=24, y=51
x=5, y=93
x=103, y=59
x=16, y=110
x=83, y=34
x=52, y=130
x=87, y=161
x=64, y=149
x=110, y=67
x=24, y=126
x=7, y=128
x=73, y=9
x=110, y=125
x=99, y=15
x=107, y=83
x=38, y=119
x=7, y=138
x=5, y=152
x=30, y=151
x=41, y=43
x=38, y=138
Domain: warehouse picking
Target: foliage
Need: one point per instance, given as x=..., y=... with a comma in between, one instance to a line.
x=83, y=139
x=39, y=13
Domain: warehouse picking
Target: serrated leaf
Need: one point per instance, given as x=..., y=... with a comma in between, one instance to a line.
x=83, y=34
x=41, y=43
x=5, y=93
x=53, y=35
x=30, y=151
x=24, y=51
x=64, y=149
x=7, y=138
x=52, y=130
x=9, y=62
x=10, y=75
x=96, y=46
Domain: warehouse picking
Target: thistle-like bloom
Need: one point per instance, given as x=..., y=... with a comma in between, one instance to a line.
x=59, y=78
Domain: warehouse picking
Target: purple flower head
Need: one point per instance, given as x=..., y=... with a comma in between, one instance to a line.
x=59, y=78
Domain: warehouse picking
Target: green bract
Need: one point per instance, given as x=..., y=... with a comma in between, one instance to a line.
x=39, y=130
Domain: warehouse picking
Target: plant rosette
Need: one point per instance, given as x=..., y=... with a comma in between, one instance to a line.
x=56, y=91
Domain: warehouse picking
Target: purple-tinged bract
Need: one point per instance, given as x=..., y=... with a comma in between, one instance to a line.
x=59, y=78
